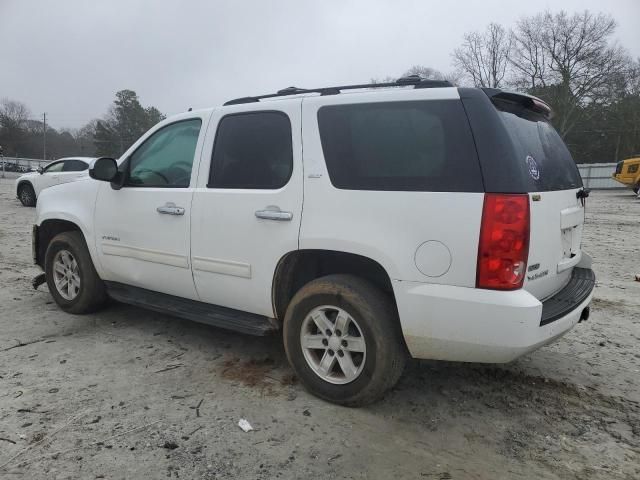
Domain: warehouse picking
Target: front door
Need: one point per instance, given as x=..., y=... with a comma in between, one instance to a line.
x=50, y=176
x=247, y=207
x=142, y=230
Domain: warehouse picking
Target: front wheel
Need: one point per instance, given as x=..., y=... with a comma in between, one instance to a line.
x=343, y=340
x=27, y=195
x=71, y=276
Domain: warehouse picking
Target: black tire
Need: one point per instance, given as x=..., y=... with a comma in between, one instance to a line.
x=636, y=189
x=92, y=293
x=27, y=195
x=377, y=318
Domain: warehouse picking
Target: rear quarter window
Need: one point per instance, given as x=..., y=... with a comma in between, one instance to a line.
x=400, y=146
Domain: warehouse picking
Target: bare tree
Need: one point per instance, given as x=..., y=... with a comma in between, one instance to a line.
x=427, y=73
x=569, y=59
x=484, y=57
x=386, y=79
x=424, y=72
x=13, y=115
x=433, y=74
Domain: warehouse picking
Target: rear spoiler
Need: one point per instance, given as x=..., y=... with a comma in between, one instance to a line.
x=529, y=102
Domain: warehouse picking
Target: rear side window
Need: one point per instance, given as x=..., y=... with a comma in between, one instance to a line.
x=395, y=146
x=540, y=152
x=252, y=150
x=74, y=166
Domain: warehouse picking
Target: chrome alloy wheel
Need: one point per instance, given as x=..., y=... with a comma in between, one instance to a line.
x=333, y=344
x=66, y=275
x=26, y=196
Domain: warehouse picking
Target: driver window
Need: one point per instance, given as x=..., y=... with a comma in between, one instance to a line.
x=166, y=157
x=54, y=167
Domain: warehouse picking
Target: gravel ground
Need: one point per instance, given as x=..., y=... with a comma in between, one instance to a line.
x=127, y=393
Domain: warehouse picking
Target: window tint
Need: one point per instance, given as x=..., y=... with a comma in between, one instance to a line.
x=423, y=145
x=54, y=167
x=74, y=166
x=165, y=159
x=540, y=152
x=252, y=150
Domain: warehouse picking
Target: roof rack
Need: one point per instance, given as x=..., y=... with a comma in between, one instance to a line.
x=412, y=80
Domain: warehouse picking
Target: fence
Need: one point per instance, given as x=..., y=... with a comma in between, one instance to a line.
x=14, y=164
x=598, y=175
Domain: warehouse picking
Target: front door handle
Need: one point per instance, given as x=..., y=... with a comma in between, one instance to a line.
x=170, y=208
x=273, y=212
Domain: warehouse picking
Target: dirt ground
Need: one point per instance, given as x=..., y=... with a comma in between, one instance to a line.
x=128, y=393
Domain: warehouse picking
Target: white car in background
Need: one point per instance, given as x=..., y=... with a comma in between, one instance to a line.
x=29, y=185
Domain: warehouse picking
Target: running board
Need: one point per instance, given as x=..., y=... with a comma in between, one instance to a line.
x=201, y=312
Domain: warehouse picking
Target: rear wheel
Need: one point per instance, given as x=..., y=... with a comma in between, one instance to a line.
x=71, y=276
x=27, y=195
x=343, y=340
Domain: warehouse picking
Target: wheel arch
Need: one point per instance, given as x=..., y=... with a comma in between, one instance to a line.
x=22, y=183
x=47, y=230
x=297, y=268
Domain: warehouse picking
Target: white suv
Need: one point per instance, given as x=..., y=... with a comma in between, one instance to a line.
x=29, y=185
x=365, y=223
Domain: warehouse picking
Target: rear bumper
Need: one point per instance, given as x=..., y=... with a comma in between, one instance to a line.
x=444, y=322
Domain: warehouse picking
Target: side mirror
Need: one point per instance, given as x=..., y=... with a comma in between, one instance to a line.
x=104, y=169
x=40, y=170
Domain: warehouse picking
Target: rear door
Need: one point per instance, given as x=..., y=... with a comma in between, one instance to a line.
x=246, y=210
x=550, y=176
x=73, y=169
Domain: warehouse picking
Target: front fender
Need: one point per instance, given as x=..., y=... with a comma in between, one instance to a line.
x=73, y=202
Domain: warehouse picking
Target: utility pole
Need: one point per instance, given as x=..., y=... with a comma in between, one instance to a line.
x=44, y=137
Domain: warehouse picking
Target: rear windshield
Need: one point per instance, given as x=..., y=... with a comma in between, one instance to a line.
x=542, y=155
x=414, y=146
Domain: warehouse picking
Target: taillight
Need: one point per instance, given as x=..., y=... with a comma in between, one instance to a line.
x=504, y=241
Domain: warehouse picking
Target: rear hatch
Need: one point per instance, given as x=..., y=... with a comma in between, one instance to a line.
x=557, y=210
x=521, y=152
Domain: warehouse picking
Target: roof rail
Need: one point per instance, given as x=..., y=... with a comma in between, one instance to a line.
x=412, y=80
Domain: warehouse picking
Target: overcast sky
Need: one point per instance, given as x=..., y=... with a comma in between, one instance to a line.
x=68, y=58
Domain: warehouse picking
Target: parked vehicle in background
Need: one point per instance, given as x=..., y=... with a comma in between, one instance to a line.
x=29, y=186
x=424, y=220
x=628, y=173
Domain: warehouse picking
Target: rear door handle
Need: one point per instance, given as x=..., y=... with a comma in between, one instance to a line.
x=170, y=208
x=273, y=212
